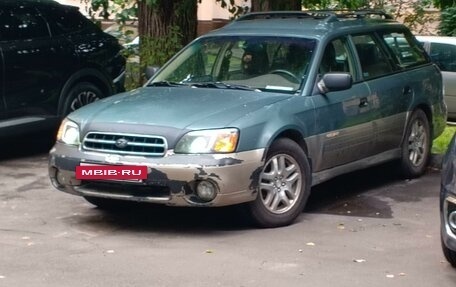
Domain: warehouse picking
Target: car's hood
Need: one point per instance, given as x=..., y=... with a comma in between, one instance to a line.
x=177, y=107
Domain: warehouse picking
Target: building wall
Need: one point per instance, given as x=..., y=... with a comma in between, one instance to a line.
x=212, y=16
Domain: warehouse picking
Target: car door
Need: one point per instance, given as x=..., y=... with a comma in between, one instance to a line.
x=389, y=93
x=343, y=117
x=397, y=89
x=2, y=85
x=29, y=65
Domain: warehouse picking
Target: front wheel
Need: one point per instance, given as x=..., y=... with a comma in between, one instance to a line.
x=80, y=95
x=449, y=254
x=416, y=146
x=284, y=185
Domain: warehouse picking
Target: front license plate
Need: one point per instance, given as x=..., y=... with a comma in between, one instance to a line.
x=111, y=172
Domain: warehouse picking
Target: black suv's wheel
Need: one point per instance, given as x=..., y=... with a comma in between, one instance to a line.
x=80, y=95
x=450, y=255
x=284, y=185
x=416, y=146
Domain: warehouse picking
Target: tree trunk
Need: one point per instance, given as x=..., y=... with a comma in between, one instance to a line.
x=156, y=21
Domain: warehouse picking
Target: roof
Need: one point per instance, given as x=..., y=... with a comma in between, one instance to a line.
x=437, y=39
x=29, y=2
x=313, y=24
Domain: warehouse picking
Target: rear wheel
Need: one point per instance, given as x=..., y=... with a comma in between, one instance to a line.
x=284, y=185
x=416, y=146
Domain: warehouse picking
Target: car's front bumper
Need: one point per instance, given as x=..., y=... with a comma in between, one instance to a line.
x=171, y=179
x=448, y=205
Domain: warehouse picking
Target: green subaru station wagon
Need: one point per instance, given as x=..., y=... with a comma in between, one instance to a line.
x=258, y=112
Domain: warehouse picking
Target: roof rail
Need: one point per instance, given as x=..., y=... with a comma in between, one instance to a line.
x=327, y=15
x=358, y=14
x=283, y=14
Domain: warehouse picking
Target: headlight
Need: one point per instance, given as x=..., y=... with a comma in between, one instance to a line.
x=68, y=133
x=208, y=141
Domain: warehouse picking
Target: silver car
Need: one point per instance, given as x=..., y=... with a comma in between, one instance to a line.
x=448, y=205
x=443, y=52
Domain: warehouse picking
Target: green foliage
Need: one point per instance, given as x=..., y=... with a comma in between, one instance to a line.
x=329, y=4
x=122, y=10
x=156, y=51
x=443, y=4
x=441, y=143
x=417, y=20
x=233, y=8
x=447, y=25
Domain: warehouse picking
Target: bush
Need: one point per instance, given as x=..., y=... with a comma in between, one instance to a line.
x=447, y=25
x=440, y=144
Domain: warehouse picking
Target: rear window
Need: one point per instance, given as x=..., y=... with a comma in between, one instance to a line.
x=406, y=52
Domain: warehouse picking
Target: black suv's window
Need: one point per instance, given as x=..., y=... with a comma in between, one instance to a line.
x=374, y=62
x=64, y=21
x=406, y=52
x=444, y=55
x=21, y=24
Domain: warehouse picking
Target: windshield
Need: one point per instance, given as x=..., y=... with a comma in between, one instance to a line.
x=257, y=63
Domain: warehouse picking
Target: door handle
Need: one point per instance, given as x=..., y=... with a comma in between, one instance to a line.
x=407, y=91
x=363, y=102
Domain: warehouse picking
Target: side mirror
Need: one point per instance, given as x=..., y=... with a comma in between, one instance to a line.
x=335, y=82
x=150, y=71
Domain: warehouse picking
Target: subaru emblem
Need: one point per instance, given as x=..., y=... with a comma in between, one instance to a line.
x=121, y=143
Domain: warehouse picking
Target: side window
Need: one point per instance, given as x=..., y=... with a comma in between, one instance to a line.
x=374, y=62
x=444, y=55
x=336, y=58
x=405, y=50
x=21, y=24
x=64, y=21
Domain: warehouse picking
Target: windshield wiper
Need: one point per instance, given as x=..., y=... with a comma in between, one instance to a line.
x=222, y=85
x=165, y=84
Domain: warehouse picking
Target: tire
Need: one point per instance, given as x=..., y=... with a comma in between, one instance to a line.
x=284, y=185
x=450, y=255
x=106, y=203
x=80, y=95
x=416, y=147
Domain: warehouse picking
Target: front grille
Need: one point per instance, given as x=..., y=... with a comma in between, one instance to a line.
x=126, y=144
x=118, y=188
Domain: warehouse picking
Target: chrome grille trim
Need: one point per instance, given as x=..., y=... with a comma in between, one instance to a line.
x=142, y=145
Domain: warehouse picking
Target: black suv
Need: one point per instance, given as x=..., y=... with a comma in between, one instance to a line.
x=53, y=60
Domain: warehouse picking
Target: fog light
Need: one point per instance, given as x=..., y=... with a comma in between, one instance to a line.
x=452, y=219
x=206, y=190
x=55, y=177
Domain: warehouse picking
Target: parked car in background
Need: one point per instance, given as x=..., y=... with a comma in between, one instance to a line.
x=53, y=61
x=448, y=204
x=443, y=52
x=256, y=113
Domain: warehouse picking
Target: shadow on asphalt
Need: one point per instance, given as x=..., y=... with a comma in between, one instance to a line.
x=25, y=146
x=337, y=196
x=345, y=195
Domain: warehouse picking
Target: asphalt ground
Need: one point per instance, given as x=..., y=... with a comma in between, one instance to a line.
x=369, y=228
